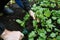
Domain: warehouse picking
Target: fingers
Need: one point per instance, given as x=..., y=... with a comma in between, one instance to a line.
x=13, y=35
x=32, y=14
x=21, y=36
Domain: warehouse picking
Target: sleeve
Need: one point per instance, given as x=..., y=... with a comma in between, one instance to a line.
x=19, y=2
x=24, y=4
x=2, y=28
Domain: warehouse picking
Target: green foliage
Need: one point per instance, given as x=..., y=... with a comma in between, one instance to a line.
x=47, y=12
x=58, y=21
x=41, y=38
x=26, y=17
x=32, y=35
x=48, y=20
x=42, y=33
x=45, y=3
x=54, y=18
x=53, y=35
x=22, y=23
x=58, y=37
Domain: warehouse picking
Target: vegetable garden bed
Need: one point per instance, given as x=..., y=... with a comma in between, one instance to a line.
x=48, y=27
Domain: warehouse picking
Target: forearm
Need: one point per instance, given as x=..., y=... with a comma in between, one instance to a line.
x=24, y=4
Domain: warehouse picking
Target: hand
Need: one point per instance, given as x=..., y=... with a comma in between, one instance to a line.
x=12, y=35
x=33, y=15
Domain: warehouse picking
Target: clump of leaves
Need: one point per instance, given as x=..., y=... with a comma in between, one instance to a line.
x=22, y=23
x=47, y=20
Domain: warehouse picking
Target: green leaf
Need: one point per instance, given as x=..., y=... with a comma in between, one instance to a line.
x=34, y=23
x=49, y=38
x=58, y=21
x=58, y=4
x=58, y=13
x=32, y=34
x=31, y=39
x=54, y=12
x=41, y=31
x=43, y=23
x=42, y=35
x=52, y=0
x=49, y=21
x=51, y=25
x=26, y=17
x=35, y=8
x=54, y=39
x=58, y=37
x=41, y=16
x=58, y=0
x=18, y=21
x=23, y=24
x=47, y=13
x=53, y=5
x=54, y=18
x=42, y=4
x=40, y=11
x=40, y=38
x=48, y=30
x=45, y=3
x=53, y=35
x=57, y=30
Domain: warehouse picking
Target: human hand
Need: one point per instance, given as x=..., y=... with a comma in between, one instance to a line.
x=32, y=14
x=12, y=35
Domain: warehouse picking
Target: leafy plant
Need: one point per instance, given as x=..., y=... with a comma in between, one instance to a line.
x=58, y=21
x=46, y=29
x=47, y=19
x=22, y=23
x=52, y=35
x=47, y=12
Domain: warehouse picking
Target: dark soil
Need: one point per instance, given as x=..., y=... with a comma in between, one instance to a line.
x=10, y=20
